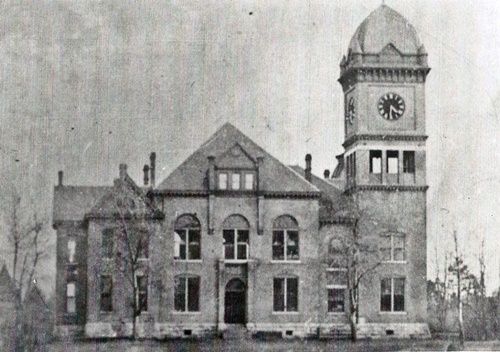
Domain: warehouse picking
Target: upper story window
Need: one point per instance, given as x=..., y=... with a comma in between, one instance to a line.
x=71, y=250
x=107, y=243
x=392, y=164
x=285, y=294
x=142, y=243
x=71, y=297
x=351, y=165
x=222, y=180
x=285, y=239
x=392, y=247
x=187, y=293
x=236, y=180
x=392, y=295
x=409, y=161
x=187, y=238
x=142, y=292
x=249, y=181
x=106, y=293
x=336, y=285
x=375, y=161
x=236, y=237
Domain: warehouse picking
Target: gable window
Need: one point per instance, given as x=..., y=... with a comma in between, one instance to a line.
x=106, y=293
x=187, y=238
x=142, y=292
x=392, y=162
x=223, y=180
x=285, y=294
x=249, y=181
x=71, y=297
x=392, y=295
x=375, y=161
x=187, y=294
x=235, y=181
x=392, y=247
x=71, y=250
x=235, y=235
x=107, y=243
x=409, y=161
x=336, y=285
x=285, y=239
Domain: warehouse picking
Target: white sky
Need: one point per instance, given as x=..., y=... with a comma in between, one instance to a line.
x=85, y=86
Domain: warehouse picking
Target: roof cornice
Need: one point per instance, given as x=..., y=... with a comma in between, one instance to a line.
x=229, y=193
x=383, y=137
x=386, y=188
x=379, y=73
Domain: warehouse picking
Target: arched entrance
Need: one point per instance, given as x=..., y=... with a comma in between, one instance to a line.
x=235, y=302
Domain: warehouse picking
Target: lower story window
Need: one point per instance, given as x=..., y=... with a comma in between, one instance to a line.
x=286, y=294
x=142, y=293
x=336, y=285
x=106, y=294
x=392, y=295
x=70, y=297
x=187, y=294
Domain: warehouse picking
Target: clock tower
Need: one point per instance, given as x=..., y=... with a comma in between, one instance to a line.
x=383, y=79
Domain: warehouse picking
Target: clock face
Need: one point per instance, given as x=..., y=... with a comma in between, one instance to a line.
x=391, y=106
x=351, y=111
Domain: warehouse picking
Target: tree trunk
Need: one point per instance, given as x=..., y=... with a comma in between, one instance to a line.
x=353, y=326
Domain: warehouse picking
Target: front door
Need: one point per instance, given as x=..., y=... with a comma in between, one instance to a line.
x=235, y=302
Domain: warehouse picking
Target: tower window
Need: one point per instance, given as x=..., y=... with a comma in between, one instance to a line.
x=392, y=162
x=409, y=161
x=71, y=250
x=375, y=161
x=142, y=293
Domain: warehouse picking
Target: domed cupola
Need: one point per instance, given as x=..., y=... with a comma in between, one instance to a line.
x=385, y=38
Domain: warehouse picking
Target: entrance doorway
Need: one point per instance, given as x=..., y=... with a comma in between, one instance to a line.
x=235, y=302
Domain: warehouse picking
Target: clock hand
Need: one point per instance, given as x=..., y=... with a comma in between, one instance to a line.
x=391, y=111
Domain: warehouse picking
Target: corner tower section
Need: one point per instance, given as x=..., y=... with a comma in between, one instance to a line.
x=383, y=78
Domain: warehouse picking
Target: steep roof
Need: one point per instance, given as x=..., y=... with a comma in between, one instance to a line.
x=71, y=203
x=273, y=175
x=385, y=26
x=334, y=205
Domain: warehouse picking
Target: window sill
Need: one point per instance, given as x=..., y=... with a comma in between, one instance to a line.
x=394, y=262
x=186, y=313
x=236, y=261
x=275, y=261
x=336, y=313
x=285, y=313
x=188, y=261
x=393, y=313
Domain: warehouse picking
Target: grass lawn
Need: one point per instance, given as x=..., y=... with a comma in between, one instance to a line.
x=279, y=345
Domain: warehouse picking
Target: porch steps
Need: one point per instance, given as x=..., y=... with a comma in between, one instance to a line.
x=235, y=332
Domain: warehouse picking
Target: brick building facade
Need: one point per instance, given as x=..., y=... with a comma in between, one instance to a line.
x=233, y=236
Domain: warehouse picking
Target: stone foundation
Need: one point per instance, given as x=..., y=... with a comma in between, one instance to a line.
x=287, y=330
x=396, y=330
x=184, y=330
x=68, y=331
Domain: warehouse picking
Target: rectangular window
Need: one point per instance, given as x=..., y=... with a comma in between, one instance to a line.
x=235, y=244
x=375, y=161
x=285, y=245
x=107, y=243
x=143, y=245
x=348, y=166
x=142, y=294
x=71, y=250
x=187, y=244
x=392, y=247
x=409, y=161
x=70, y=297
x=392, y=295
x=106, y=293
x=235, y=181
x=392, y=162
x=249, y=181
x=222, y=180
x=187, y=293
x=336, y=284
x=286, y=294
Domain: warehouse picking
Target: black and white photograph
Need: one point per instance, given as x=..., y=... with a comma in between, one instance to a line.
x=249, y=175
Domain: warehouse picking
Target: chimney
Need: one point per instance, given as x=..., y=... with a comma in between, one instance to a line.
x=308, y=167
x=146, y=174
x=211, y=172
x=123, y=171
x=326, y=174
x=152, y=167
x=60, y=177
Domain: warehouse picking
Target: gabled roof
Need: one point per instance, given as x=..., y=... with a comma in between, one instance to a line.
x=71, y=203
x=273, y=175
x=334, y=204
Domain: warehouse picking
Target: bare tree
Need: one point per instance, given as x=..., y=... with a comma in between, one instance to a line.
x=26, y=245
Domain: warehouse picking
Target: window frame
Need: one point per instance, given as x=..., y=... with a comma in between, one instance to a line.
x=245, y=181
x=375, y=154
x=110, y=294
x=285, y=245
x=188, y=232
x=392, y=248
x=284, y=295
x=71, y=250
x=389, y=155
x=108, y=243
x=236, y=175
x=141, y=291
x=235, y=244
x=70, y=298
x=335, y=286
x=220, y=183
x=392, y=295
x=409, y=162
x=187, y=300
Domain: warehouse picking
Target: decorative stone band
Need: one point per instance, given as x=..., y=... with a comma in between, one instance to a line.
x=229, y=193
x=383, y=137
x=388, y=188
x=336, y=220
x=383, y=74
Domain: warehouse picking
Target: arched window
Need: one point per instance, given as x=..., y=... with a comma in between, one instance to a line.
x=235, y=231
x=187, y=293
x=285, y=239
x=187, y=238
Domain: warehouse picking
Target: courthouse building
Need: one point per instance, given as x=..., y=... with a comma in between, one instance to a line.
x=235, y=237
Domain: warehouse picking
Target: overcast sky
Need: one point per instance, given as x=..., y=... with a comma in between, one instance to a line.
x=86, y=85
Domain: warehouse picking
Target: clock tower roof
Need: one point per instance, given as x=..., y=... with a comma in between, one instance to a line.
x=383, y=27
